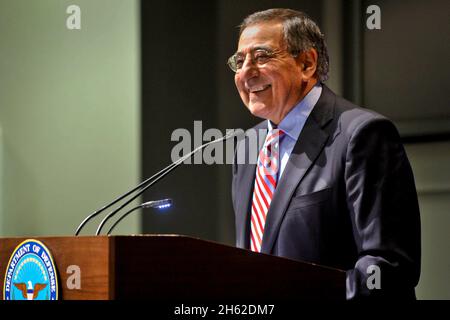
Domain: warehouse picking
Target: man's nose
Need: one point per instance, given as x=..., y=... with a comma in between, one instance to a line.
x=249, y=68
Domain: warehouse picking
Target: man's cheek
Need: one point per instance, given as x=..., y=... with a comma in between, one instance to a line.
x=245, y=98
x=243, y=93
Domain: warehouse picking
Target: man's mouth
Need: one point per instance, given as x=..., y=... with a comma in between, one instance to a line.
x=257, y=89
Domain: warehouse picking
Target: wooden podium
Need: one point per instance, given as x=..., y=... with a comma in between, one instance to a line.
x=178, y=268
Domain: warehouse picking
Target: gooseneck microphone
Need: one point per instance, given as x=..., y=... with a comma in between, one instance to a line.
x=143, y=186
x=97, y=212
x=159, y=204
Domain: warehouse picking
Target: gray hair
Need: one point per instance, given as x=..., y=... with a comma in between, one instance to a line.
x=300, y=33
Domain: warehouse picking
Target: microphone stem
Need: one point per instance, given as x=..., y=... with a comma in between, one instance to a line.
x=112, y=213
x=121, y=218
x=96, y=213
x=162, y=174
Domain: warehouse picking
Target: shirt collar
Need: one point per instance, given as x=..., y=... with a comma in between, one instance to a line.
x=299, y=113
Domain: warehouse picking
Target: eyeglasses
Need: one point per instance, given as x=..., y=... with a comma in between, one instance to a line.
x=259, y=56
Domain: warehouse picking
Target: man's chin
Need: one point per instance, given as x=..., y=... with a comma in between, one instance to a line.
x=259, y=110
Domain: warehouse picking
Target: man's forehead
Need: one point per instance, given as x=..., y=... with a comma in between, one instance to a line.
x=267, y=34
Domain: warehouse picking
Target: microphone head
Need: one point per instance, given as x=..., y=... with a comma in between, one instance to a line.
x=159, y=204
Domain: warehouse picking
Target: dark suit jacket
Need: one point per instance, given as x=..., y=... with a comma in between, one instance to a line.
x=346, y=199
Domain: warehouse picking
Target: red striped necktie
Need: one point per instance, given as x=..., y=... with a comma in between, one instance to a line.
x=265, y=184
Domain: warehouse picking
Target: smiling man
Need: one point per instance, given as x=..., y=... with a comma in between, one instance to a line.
x=269, y=92
x=333, y=184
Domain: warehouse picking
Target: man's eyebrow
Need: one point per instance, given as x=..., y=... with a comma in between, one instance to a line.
x=258, y=47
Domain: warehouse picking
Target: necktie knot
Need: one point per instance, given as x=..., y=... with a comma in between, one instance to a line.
x=273, y=137
x=269, y=154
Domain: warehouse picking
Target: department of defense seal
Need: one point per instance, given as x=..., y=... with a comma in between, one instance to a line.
x=30, y=273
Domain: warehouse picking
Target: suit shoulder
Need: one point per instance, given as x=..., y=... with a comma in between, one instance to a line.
x=353, y=118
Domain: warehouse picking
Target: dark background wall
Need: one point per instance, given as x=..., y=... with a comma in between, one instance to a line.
x=178, y=87
x=406, y=65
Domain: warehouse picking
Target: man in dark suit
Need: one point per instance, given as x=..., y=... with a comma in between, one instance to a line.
x=332, y=184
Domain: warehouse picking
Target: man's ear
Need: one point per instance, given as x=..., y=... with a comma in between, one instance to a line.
x=308, y=63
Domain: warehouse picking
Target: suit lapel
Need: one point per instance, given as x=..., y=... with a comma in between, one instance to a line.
x=310, y=143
